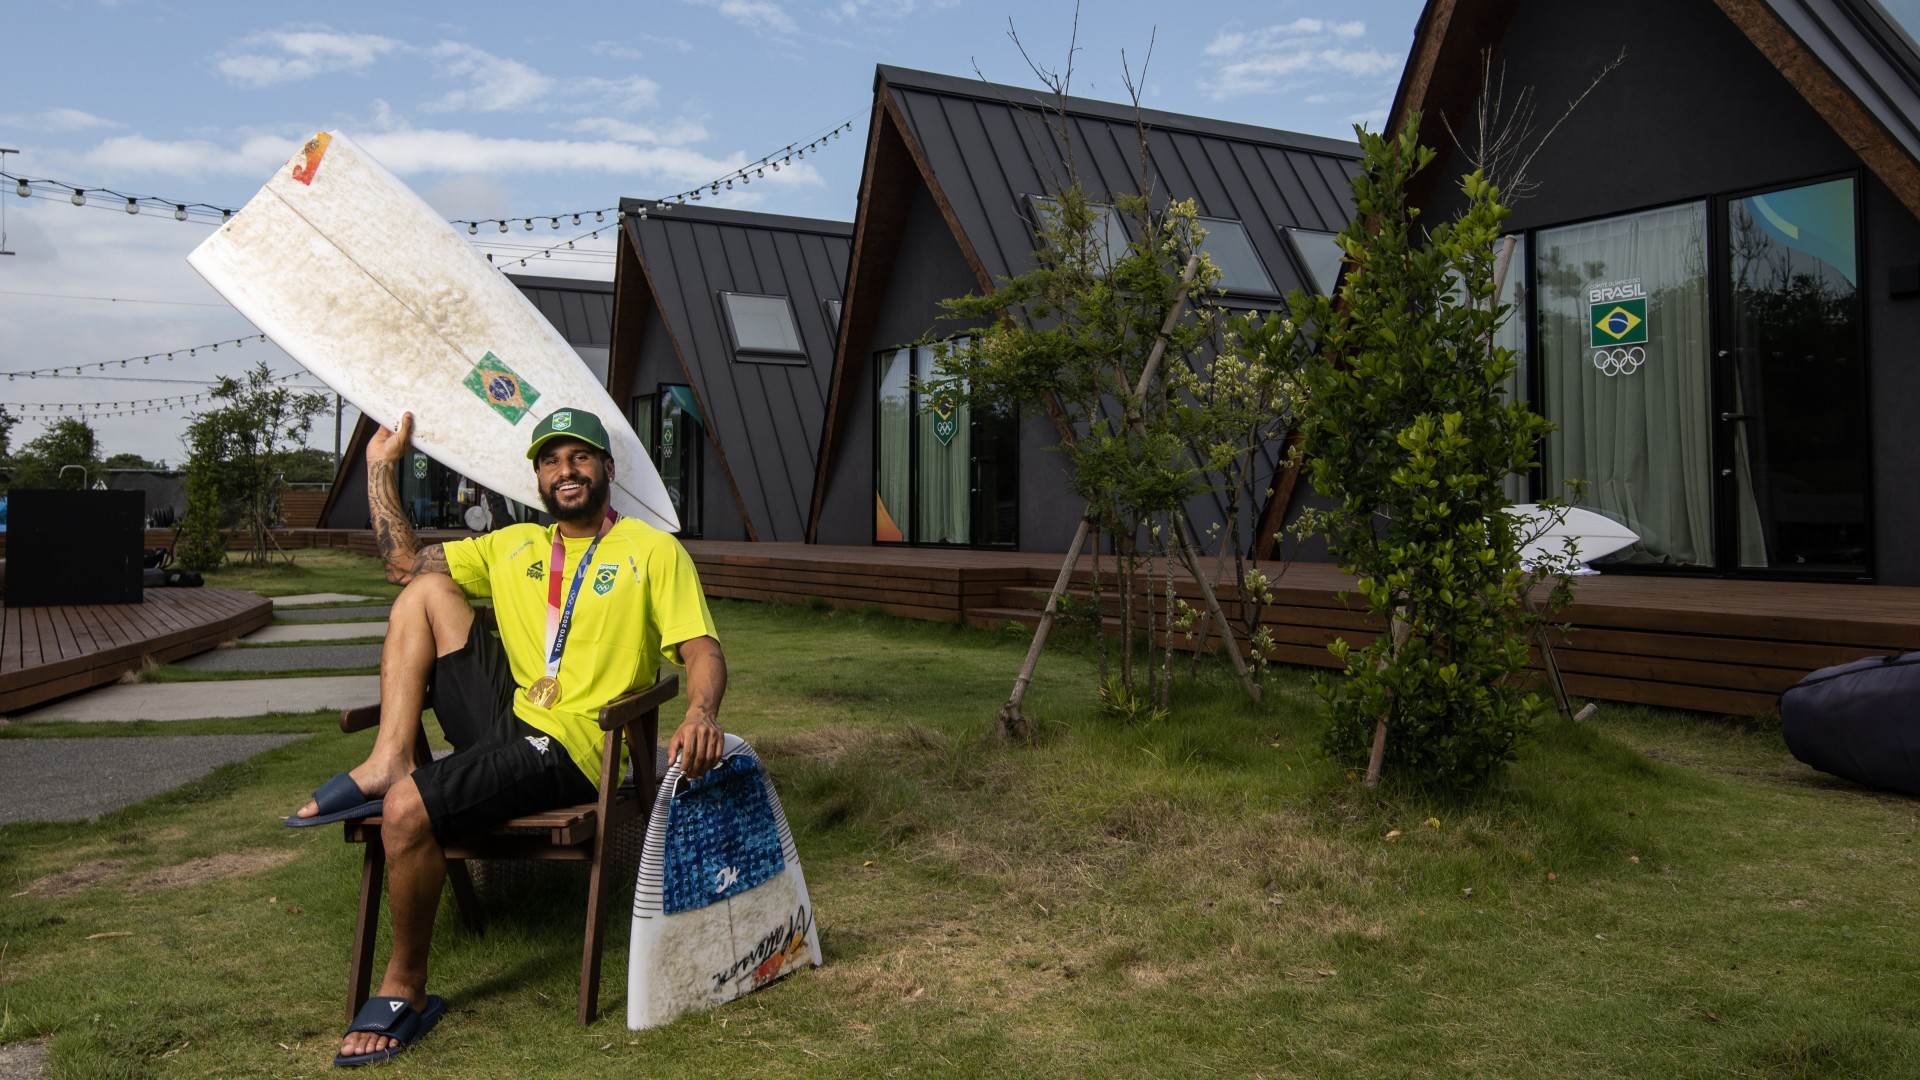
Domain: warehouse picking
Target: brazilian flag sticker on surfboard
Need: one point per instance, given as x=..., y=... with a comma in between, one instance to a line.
x=496, y=384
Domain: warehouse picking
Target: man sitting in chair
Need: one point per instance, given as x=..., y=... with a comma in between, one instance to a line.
x=584, y=609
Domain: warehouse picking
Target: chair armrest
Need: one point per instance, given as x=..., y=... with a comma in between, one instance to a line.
x=360, y=719
x=628, y=708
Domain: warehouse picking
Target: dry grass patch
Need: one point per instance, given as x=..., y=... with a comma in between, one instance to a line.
x=76, y=880
x=227, y=864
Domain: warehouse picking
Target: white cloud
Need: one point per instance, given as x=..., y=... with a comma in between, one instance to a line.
x=1256, y=61
x=628, y=93
x=848, y=10
x=620, y=50
x=678, y=133
x=760, y=16
x=297, y=53
x=496, y=84
x=56, y=121
x=410, y=152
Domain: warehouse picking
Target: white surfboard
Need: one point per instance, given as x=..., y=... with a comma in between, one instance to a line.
x=344, y=267
x=720, y=905
x=1595, y=536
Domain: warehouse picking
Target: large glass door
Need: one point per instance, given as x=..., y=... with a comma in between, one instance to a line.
x=944, y=472
x=1794, y=383
x=1625, y=375
x=676, y=449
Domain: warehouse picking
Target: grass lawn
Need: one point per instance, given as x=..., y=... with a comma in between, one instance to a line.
x=1655, y=894
x=312, y=570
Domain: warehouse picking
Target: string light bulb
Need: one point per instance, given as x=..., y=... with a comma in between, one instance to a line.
x=503, y=226
x=22, y=189
x=79, y=197
x=179, y=212
x=133, y=207
x=473, y=228
x=599, y=215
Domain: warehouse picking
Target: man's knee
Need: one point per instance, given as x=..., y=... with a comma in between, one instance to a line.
x=437, y=601
x=404, y=822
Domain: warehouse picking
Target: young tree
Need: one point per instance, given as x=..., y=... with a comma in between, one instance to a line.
x=44, y=461
x=125, y=460
x=236, y=456
x=1410, y=434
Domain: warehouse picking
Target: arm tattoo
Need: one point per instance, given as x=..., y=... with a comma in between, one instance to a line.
x=400, y=550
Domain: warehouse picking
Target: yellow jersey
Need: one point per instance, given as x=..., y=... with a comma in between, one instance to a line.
x=640, y=599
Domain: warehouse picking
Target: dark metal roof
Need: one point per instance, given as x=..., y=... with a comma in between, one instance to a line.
x=765, y=418
x=582, y=310
x=1869, y=53
x=989, y=147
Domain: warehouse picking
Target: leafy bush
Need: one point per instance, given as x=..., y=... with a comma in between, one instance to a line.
x=1410, y=434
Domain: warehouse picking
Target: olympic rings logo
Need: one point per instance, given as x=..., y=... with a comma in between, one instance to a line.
x=1619, y=361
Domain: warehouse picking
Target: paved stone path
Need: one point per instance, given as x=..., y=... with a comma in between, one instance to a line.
x=309, y=599
x=68, y=779
x=212, y=700
x=335, y=614
x=273, y=635
x=292, y=658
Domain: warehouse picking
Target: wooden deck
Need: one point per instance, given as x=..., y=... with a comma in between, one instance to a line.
x=1707, y=644
x=50, y=652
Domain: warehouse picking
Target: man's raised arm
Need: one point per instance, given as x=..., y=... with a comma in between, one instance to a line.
x=399, y=548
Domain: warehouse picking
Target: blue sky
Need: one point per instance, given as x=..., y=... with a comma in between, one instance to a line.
x=495, y=110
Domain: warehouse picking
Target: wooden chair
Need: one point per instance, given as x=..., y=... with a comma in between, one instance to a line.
x=582, y=833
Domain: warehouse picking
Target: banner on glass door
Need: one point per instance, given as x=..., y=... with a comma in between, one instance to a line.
x=946, y=422
x=1617, y=325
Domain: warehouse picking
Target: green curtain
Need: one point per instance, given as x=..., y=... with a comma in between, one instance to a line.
x=945, y=469
x=1639, y=433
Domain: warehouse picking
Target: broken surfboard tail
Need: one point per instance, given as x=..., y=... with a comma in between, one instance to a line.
x=362, y=283
x=720, y=905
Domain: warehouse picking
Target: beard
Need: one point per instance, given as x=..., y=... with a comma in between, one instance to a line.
x=592, y=505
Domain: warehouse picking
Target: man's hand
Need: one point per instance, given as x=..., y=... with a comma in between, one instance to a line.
x=697, y=743
x=390, y=446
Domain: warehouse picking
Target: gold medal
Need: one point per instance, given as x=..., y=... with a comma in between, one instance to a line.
x=544, y=691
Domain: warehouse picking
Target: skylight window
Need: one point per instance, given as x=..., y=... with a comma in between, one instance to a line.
x=1320, y=254
x=833, y=315
x=762, y=327
x=1228, y=245
x=1112, y=233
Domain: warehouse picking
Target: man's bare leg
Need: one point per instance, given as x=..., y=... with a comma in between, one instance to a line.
x=430, y=619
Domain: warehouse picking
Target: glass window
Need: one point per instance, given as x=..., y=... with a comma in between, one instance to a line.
x=833, y=317
x=1799, y=380
x=677, y=454
x=1623, y=331
x=893, y=456
x=944, y=472
x=1319, y=255
x=1231, y=249
x=1113, y=235
x=762, y=324
x=1513, y=335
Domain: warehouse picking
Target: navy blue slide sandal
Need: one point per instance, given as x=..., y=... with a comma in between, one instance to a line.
x=339, y=798
x=394, y=1018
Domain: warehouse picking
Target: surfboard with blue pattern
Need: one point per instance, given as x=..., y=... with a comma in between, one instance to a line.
x=720, y=904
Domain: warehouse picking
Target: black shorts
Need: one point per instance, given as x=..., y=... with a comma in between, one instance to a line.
x=501, y=766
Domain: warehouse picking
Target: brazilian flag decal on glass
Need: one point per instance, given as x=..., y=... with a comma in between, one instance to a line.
x=496, y=384
x=1618, y=322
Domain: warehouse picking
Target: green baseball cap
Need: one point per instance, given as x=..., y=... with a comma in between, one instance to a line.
x=572, y=424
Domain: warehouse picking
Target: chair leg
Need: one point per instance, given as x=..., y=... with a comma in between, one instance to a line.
x=465, y=900
x=366, y=925
x=597, y=896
